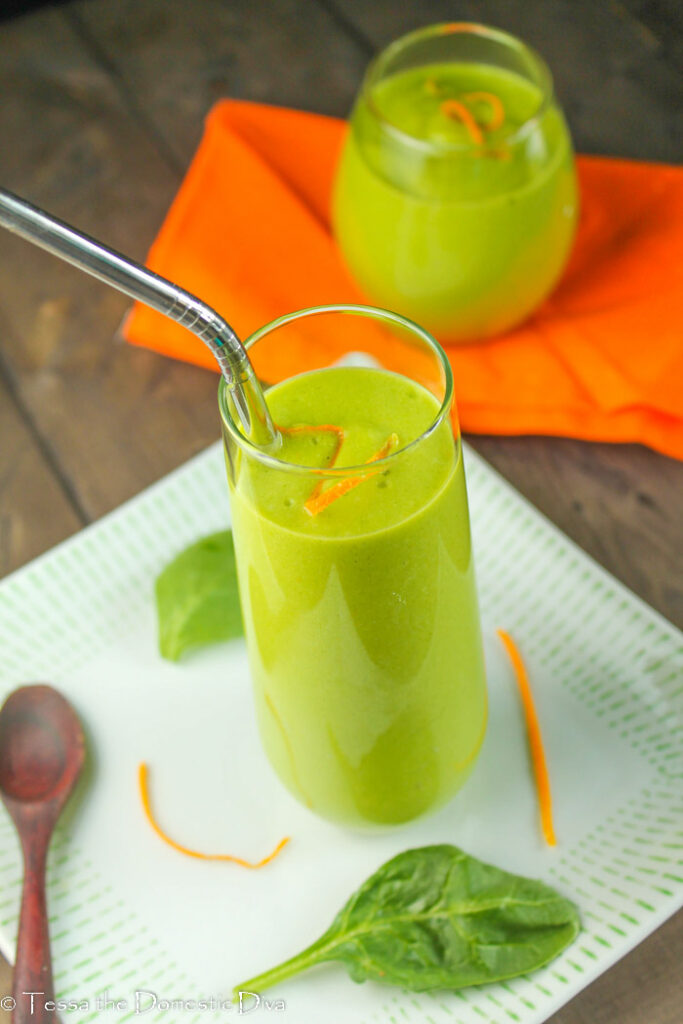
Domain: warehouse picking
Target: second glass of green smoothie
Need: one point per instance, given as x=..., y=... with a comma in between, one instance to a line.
x=455, y=200
x=355, y=570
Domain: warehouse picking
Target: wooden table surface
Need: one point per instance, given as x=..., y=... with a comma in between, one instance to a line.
x=101, y=109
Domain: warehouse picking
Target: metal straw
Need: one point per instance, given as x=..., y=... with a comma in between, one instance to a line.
x=39, y=227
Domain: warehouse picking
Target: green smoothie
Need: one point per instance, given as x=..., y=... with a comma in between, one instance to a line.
x=452, y=207
x=361, y=619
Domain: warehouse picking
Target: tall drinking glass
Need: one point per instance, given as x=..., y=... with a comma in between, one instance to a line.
x=355, y=570
x=455, y=200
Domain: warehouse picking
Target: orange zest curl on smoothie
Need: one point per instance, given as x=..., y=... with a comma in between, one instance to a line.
x=320, y=500
x=306, y=428
x=497, y=109
x=534, y=735
x=328, y=428
x=476, y=128
x=146, y=806
x=458, y=111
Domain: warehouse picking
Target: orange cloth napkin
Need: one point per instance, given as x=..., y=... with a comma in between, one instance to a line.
x=602, y=359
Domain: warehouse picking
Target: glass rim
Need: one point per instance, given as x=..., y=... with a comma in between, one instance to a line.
x=372, y=74
x=377, y=313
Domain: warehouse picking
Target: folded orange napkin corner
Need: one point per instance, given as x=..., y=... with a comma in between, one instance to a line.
x=602, y=359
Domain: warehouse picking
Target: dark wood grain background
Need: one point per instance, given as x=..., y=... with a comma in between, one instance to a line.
x=101, y=108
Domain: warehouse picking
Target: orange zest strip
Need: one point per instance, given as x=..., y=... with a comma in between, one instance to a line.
x=326, y=427
x=317, y=502
x=306, y=429
x=144, y=796
x=458, y=110
x=497, y=110
x=390, y=443
x=534, y=735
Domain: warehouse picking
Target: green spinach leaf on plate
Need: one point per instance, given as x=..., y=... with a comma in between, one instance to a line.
x=197, y=597
x=436, y=918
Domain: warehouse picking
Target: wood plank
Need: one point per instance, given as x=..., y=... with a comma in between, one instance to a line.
x=642, y=988
x=35, y=512
x=116, y=417
x=662, y=20
x=97, y=163
x=177, y=59
x=5, y=978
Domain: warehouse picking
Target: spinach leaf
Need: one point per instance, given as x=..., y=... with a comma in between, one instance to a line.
x=436, y=918
x=197, y=597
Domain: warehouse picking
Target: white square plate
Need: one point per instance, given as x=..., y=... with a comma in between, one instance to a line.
x=131, y=916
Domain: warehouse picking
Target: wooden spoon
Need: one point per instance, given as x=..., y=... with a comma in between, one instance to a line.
x=41, y=754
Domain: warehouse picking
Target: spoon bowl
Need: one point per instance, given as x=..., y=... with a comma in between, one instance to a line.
x=42, y=748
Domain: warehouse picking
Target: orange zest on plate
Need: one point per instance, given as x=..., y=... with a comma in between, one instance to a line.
x=146, y=806
x=320, y=500
x=534, y=736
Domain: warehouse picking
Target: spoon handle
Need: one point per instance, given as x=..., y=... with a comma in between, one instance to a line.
x=33, y=987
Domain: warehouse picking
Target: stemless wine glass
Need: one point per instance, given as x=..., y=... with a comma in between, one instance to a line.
x=455, y=200
x=356, y=580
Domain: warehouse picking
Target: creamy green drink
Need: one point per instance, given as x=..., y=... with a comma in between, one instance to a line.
x=455, y=201
x=358, y=596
